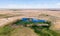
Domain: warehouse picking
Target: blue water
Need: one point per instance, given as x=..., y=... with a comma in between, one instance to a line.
x=38, y=21
x=33, y=20
x=24, y=19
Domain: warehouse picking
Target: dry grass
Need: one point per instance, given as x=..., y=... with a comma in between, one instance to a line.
x=32, y=14
x=19, y=31
x=23, y=32
x=18, y=14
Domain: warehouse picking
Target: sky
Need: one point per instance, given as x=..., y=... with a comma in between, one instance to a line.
x=29, y=4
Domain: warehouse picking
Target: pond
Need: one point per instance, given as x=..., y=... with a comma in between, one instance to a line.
x=32, y=20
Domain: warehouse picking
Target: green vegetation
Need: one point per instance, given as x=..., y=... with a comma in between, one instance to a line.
x=40, y=30
x=20, y=22
x=23, y=22
x=44, y=31
x=15, y=31
x=5, y=31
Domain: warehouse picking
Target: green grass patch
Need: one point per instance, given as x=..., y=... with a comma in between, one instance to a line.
x=5, y=31
x=44, y=31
